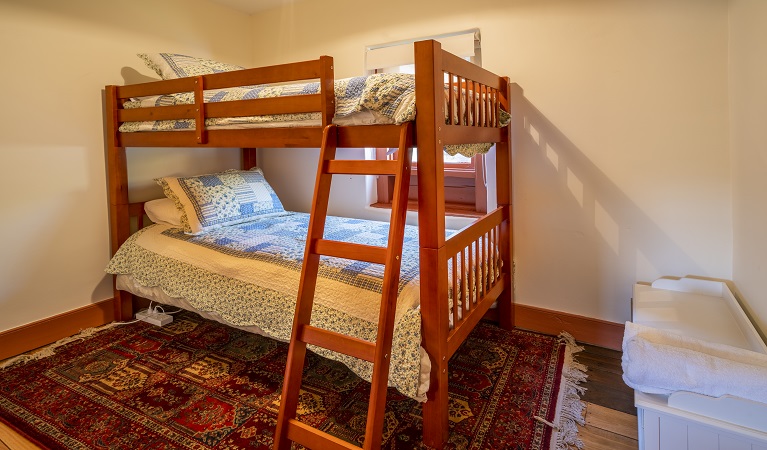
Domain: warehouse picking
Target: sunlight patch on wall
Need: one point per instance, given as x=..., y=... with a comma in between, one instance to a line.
x=552, y=155
x=534, y=134
x=576, y=186
x=606, y=227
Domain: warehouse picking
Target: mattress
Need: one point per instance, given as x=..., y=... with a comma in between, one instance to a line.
x=377, y=99
x=247, y=276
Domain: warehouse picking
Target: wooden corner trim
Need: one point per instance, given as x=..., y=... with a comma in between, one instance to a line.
x=46, y=331
x=585, y=329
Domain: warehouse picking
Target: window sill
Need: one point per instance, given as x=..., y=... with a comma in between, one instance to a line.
x=451, y=209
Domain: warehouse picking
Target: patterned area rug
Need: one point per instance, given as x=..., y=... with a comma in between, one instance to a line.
x=198, y=384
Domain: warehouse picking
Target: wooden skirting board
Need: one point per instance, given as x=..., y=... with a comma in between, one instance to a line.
x=43, y=332
x=585, y=329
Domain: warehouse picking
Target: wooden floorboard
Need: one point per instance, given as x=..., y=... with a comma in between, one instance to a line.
x=609, y=419
x=608, y=398
x=598, y=439
x=606, y=364
x=11, y=440
x=605, y=386
x=610, y=415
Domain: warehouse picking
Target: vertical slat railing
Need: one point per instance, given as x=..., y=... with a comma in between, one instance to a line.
x=475, y=271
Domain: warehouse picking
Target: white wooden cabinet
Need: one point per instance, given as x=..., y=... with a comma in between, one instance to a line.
x=708, y=310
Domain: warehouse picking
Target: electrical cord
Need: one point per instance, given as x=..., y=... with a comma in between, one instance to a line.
x=161, y=309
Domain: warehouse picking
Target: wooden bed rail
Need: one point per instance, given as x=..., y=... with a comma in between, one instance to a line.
x=323, y=103
x=475, y=269
x=297, y=71
x=474, y=96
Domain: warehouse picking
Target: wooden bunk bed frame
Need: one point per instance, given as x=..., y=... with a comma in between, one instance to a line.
x=491, y=234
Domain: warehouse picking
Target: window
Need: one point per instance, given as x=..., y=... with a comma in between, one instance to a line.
x=465, y=185
x=465, y=180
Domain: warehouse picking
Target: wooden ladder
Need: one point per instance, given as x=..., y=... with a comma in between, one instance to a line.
x=288, y=427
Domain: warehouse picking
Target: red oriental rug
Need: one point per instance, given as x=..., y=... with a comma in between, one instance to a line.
x=198, y=384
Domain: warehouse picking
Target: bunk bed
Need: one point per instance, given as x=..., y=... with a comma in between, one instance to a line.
x=457, y=104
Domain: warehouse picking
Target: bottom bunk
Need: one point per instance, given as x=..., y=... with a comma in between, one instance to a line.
x=247, y=275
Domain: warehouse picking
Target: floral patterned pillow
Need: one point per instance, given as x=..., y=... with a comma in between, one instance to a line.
x=170, y=66
x=211, y=201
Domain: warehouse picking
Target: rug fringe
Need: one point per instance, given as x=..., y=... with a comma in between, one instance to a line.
x=571, y=412
x=50, y=350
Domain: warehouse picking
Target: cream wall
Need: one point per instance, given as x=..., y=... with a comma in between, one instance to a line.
x=622, y=165
x=748, y=111
x=57, y=58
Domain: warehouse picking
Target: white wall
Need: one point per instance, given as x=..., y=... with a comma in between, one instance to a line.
x=57, y=58
x=622, y=166
x=748, y=111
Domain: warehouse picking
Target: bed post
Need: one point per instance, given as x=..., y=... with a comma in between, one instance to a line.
x=248, y=158
x=119, y=215
x=327, y=89
x=503, y=176
x=431, y=234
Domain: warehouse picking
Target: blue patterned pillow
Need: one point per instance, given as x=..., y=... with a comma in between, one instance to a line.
x=211, y=201
x=170, y=66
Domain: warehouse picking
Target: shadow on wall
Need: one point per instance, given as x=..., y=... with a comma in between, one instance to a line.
x=580, y=242
x=133, y=76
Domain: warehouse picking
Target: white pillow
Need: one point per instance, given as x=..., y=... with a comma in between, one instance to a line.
x=163, y=211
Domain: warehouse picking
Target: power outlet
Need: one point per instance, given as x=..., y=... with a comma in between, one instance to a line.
x=155, y=318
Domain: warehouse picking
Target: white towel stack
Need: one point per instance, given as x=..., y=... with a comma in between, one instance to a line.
x=660, y=362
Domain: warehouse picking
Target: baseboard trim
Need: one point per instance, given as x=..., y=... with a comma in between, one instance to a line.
x=46, y=331
x=585, y=329
x=43, y=332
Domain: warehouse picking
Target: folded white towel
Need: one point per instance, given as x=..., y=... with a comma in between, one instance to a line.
x=660, y=362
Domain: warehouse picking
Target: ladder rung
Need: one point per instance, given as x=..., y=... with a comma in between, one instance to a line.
x=362, y=167
x=359, y=252
x=337, y=342
x=313, y=438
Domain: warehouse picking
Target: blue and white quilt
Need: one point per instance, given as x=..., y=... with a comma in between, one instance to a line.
x=388, y=98
x=248, y=274
x=368, y=100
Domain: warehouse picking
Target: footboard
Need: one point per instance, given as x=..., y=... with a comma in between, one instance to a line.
x=475, y=274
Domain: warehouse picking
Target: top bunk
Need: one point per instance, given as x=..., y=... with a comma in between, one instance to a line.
x=288, y=105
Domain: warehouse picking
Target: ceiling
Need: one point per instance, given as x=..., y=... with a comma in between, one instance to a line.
x=253, y=6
